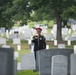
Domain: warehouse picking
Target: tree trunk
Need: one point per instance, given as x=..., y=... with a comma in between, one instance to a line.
x=59, y=25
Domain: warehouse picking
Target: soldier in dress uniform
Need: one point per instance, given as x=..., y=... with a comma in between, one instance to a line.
x=39, y=41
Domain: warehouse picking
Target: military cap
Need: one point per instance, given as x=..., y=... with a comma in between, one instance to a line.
x=39, y=29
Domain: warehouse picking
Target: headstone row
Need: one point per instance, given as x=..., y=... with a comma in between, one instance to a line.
x=54, y=61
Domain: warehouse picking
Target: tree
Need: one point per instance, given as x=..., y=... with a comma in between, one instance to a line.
x=12, y=11
x=5, y=18
x=43, y=13
x=21, y=11
x=70, y=13
x=58, y=6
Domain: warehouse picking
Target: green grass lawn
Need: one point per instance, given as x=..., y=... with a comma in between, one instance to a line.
x=27, y=72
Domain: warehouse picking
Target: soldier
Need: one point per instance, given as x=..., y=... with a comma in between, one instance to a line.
x=39, y=41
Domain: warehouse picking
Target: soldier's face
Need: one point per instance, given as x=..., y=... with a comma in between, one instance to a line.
x=38, y=31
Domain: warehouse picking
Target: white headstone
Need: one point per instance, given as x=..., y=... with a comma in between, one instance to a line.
x=44, y=30
x=29, y=41
x=64, y=31
x=28, y=32
x=16, y=41
x=69, y=31
x=7, y=34
x=55, y=42
x=3, y=41
x=33, y=31
x=54, y=30
x=19, y=66
x=19, y=47
x=47, y=46
x=3, y=30
x=32, y=48
x=61, y=45
x=69, y=42
x=74, y=49
x=16, y=55
x=73, y=27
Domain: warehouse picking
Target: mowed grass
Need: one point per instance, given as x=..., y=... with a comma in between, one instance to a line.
x=27, y=72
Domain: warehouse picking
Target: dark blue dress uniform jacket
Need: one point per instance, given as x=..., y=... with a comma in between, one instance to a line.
x=39, y=42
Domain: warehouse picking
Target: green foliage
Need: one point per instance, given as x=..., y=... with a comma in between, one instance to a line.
x=31, y=24
x=44, y=22
x=70, y=12
x=43, y=13
x=5, y=16
x=51, y=23
x=21, y=10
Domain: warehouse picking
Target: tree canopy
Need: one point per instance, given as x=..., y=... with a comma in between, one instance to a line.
x=62, y=10
x=5, y=17
x=21, y=10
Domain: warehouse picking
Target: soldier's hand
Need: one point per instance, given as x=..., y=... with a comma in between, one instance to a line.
x=35, y=36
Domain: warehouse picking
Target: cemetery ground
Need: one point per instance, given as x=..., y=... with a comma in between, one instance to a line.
x=25, y=50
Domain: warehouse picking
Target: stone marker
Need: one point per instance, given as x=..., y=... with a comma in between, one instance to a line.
x=55, y=42
x=74, y=49
x=29, y=43
x=19, y=66
x=59, y=65
x=61, y=45
x=6, y=61
x=15, y=67
x=16, y=41
x=3, y=41
x=7, y=33
x=3, y=30
x=18, y=47
x=32, y=48
x=73, y=64
x=27, y=61
x=44, y=58
x=47, y=46
x=69, y=42
x=16, y=55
